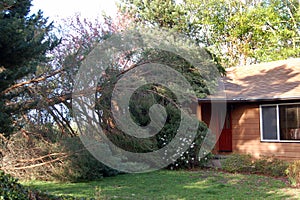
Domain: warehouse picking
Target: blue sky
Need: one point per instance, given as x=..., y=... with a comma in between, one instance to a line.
x=59, y=9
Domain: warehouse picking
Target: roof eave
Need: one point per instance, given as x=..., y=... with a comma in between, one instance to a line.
x=253, y=100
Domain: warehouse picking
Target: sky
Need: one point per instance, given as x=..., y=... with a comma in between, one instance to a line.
x=60, y=9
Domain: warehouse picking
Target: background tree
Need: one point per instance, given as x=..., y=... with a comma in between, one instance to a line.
x=236, y=32
x=24, y=42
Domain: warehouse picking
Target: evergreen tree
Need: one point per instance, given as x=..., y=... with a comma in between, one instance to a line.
x=24, y=41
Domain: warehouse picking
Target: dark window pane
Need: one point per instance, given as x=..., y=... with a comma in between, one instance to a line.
x=269, y=122
x=289, y=118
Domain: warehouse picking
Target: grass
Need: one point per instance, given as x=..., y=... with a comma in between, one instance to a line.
x=202, y=184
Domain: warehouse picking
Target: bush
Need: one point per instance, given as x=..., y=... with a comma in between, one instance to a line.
x=238, y=163
x=10, y=189
x=190, y=158
x=293, y=173
x=245, y=163
x=270, y=166
x=141, y=102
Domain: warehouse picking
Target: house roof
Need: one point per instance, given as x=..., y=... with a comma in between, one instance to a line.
x=265, y=81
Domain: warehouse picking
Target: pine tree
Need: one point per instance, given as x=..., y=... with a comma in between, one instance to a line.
x=24, y=41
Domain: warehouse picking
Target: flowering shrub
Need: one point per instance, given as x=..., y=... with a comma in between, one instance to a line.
x=141, y=102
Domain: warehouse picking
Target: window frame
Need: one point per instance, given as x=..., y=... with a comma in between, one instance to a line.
x=277, y=121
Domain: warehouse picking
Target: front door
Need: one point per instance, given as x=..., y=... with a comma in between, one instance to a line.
x=225, y=140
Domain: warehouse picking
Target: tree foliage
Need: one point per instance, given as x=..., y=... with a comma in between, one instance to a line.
x=237, y=32
x=48, y=93
x=24, y=41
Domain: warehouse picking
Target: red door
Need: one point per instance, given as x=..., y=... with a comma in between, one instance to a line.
x=225, y=140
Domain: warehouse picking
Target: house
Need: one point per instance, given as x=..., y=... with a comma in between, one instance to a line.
x=263, y=110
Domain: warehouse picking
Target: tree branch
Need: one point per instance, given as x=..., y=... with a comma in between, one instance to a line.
x=36, y=80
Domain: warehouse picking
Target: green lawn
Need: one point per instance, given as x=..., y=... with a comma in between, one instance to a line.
x=202, y=184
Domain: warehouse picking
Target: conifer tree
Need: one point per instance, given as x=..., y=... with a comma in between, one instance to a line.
x=24, y=41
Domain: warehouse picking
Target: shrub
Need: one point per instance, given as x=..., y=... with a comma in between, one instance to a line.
x=238, y=163
x=293, y=173
x=245, y=163
x=10, y=188
x=190, y=158
x=141, y=102
x=270, y=166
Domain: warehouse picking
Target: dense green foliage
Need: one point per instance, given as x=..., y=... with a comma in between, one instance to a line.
x=24, y=41
x=11, y=189
x=236, y=32
x=140, y=104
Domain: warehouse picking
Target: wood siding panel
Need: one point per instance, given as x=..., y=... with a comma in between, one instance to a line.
x=246, y=136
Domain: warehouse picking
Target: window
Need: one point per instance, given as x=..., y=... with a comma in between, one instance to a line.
x=280, y=122
x=269, y=120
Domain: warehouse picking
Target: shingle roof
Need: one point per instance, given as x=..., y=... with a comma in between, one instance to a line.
x=273, y=80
